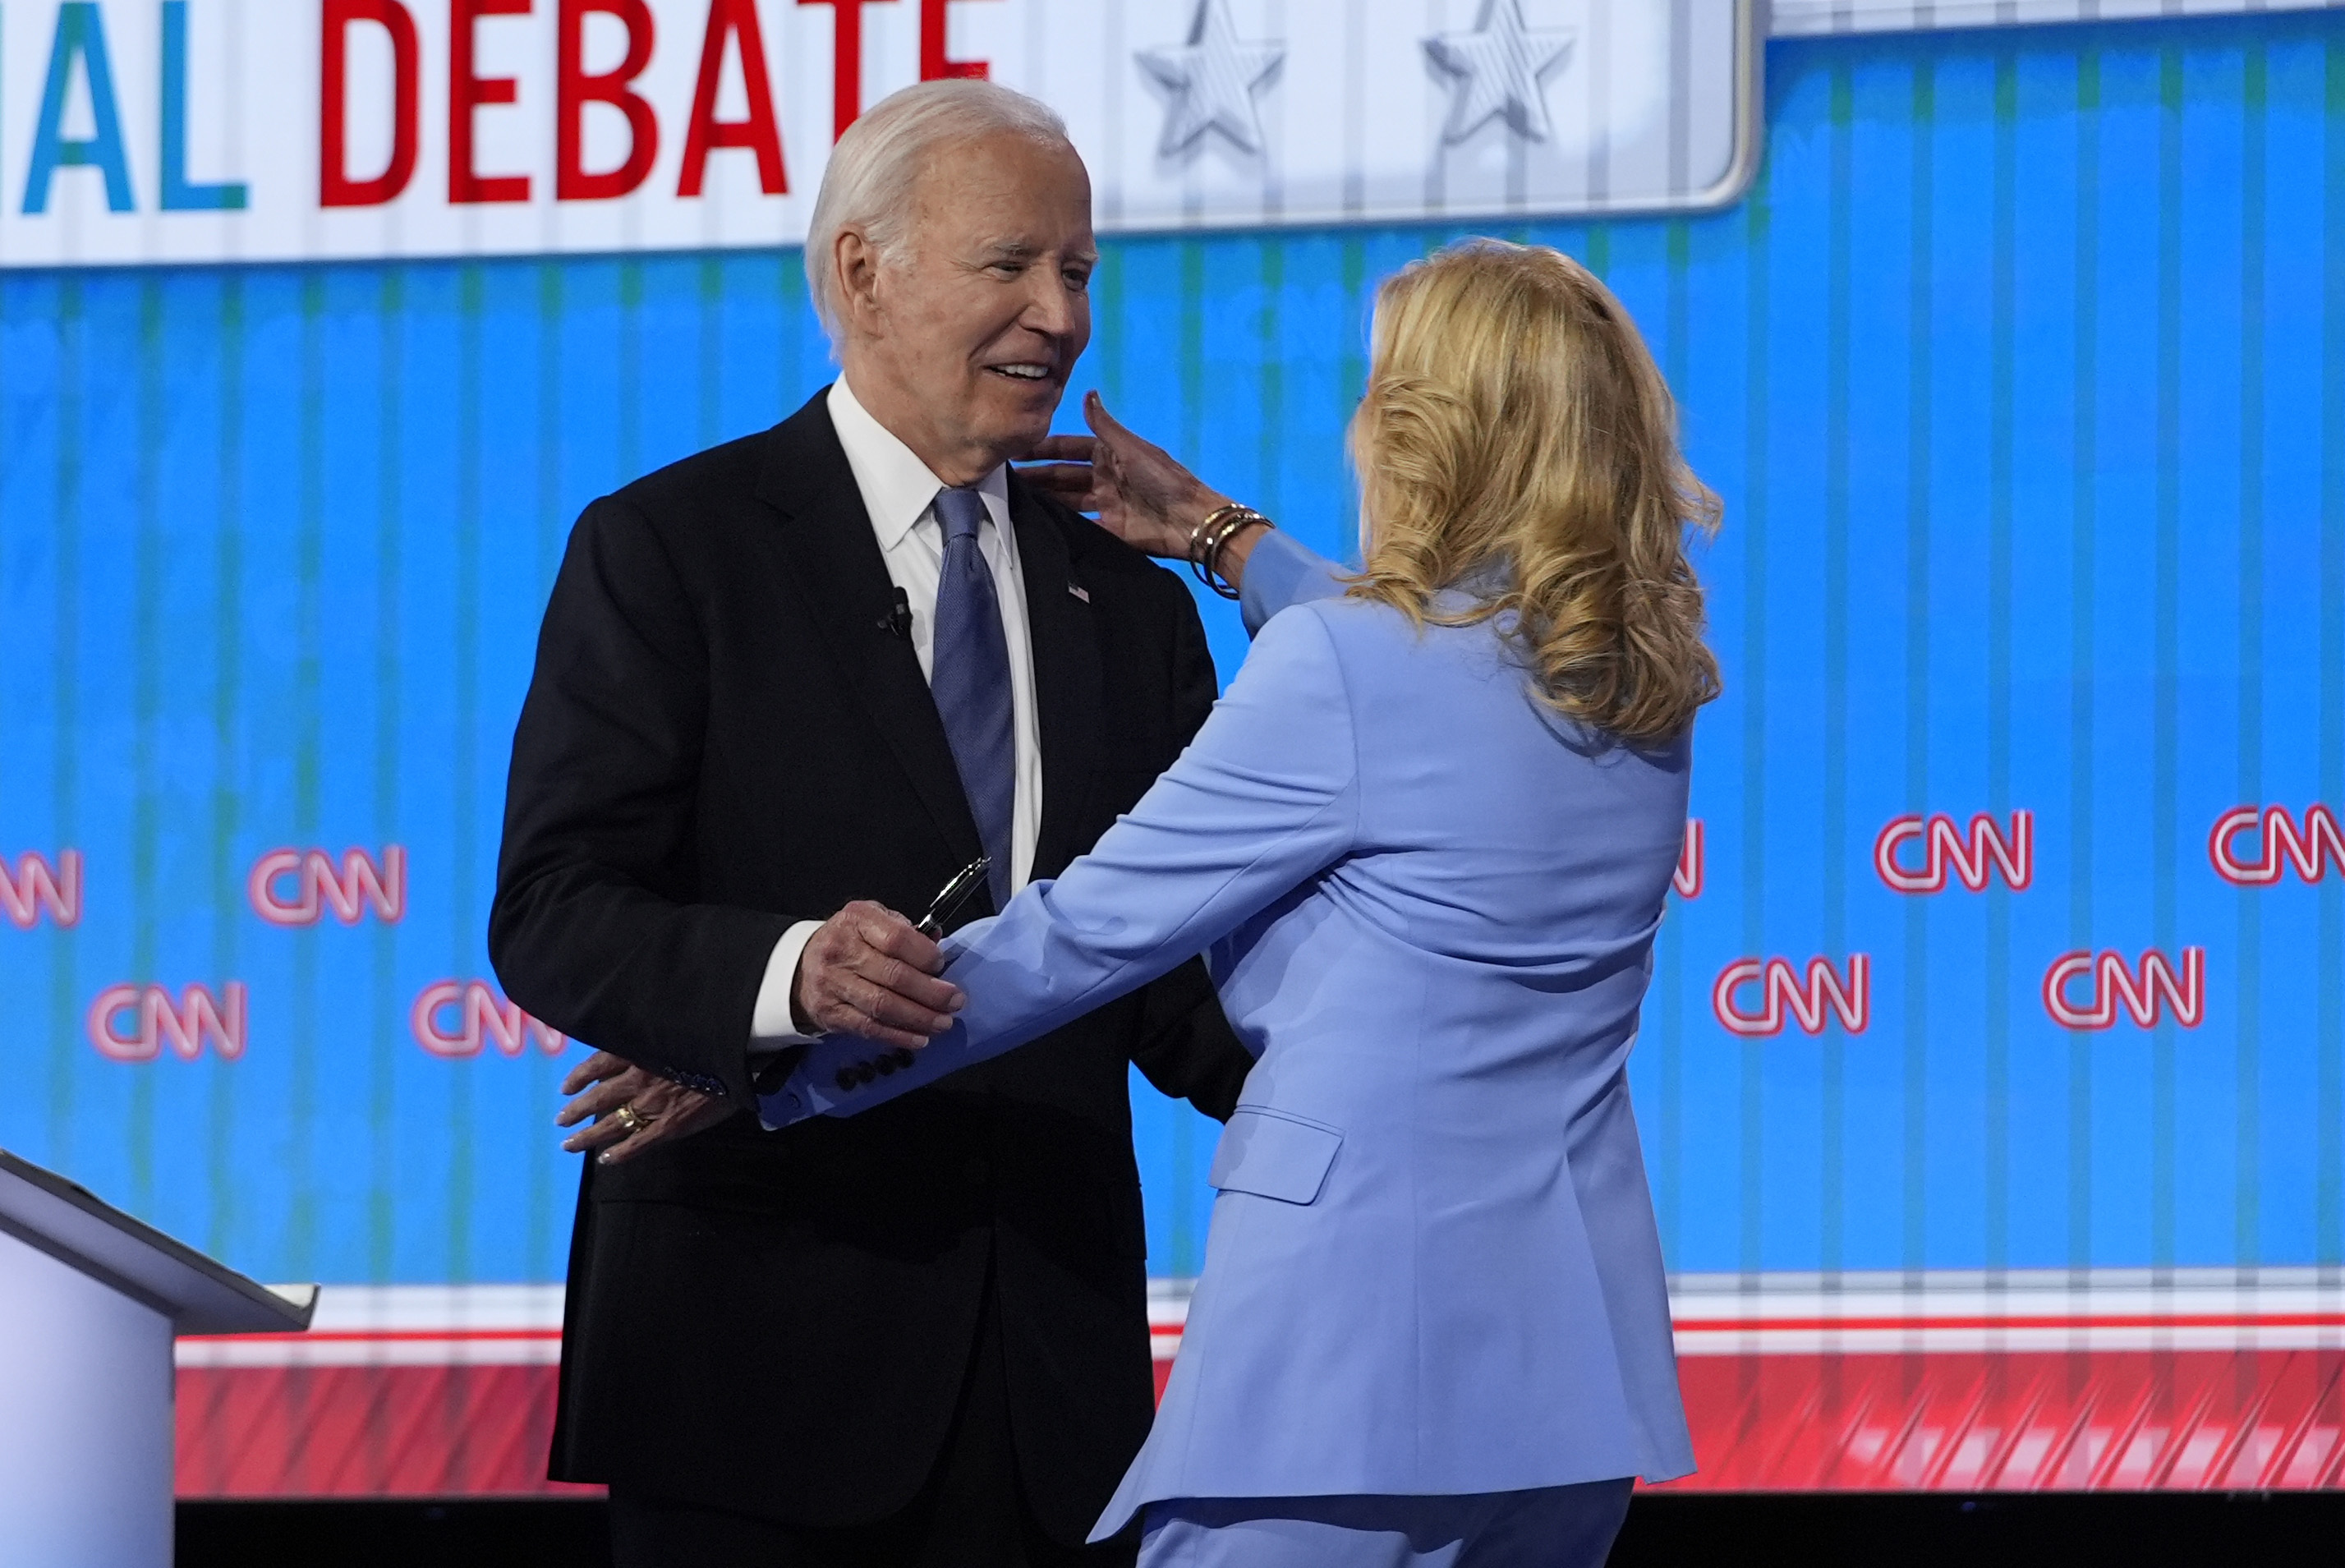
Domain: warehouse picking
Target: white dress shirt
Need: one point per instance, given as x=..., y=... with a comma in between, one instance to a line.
x=900, y=494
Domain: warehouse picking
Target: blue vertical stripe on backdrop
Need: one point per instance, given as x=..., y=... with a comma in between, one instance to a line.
x=2017, y=371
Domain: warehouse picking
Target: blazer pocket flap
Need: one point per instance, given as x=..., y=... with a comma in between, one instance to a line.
x=1272, y=1155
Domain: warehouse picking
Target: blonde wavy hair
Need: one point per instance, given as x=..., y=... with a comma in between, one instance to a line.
x=1514, y=419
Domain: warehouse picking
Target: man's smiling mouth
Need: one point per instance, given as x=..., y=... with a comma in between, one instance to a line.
x=1024, y=373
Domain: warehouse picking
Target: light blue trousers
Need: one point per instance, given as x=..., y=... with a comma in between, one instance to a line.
x=1553, y=1527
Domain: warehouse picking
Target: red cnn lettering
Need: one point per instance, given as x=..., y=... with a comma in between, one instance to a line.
x=2312, y=850
x=35, y=887
x=469, y=92
x=1782, y=994
x=574, y=89
x=1687, y=878
x=2116, y=985
x=847, y=61
x=134, y=1023
x=1946, y=848
x=358, y=884
x=733, y=19
x=934, y=65
x=335, y=186
x=453, y=1018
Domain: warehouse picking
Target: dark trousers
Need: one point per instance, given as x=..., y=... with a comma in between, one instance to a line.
x=969, y=1513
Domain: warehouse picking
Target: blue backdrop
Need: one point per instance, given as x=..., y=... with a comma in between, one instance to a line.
x=2022, y=372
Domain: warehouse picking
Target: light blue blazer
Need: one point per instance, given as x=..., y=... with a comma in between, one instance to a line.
x=1429, y=907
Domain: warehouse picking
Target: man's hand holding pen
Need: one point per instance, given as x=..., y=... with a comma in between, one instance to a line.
x=872, y=972
x=869, y=971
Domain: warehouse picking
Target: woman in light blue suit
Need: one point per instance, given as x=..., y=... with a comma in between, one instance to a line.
x=1425, y=840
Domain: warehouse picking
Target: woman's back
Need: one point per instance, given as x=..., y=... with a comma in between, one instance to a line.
x=1506, y=869
x=1432, y=1266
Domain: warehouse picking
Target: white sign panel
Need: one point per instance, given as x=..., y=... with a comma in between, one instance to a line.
x=207, y=131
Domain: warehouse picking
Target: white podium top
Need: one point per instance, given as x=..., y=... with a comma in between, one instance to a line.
x=44, y=1210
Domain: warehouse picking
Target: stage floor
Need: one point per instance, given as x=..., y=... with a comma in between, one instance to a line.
x=1873, y=1530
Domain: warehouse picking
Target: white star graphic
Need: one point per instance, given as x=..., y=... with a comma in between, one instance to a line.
x=1499, y=68
x=1215, y=75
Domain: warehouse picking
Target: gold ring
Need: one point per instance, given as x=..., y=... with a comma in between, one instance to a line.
x=627, y=1116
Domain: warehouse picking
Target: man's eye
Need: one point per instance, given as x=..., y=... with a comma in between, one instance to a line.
x=1077, y=279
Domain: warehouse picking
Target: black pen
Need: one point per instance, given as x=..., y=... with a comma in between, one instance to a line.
x=950, y=896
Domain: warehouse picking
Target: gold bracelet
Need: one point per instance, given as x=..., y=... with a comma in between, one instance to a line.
x=1209, y=571
x=1232, y=517
x=1196, y=534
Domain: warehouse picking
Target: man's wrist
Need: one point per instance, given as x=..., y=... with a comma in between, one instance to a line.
x=776, y=1019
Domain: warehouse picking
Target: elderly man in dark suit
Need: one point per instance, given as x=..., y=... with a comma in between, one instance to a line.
x=848, y=657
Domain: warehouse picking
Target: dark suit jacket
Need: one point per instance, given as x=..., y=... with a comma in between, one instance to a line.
x=722, y=737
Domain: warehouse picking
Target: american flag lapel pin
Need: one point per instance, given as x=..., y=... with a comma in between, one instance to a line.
x=1079, y=592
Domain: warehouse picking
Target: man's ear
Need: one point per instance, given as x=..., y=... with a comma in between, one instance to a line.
x=857, y=270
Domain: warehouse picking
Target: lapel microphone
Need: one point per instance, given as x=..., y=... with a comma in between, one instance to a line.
x=900, y=619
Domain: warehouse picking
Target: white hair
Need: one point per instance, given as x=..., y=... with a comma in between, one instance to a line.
x=873, y=170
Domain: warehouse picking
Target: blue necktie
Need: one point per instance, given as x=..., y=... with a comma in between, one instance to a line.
x=970, y=678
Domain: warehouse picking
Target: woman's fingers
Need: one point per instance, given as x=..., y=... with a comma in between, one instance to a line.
x=1121, y=446
x=633, y=1144
x=602, y=1098
x=1062, y=449
x=1105, y=425
x=658, y=1110
x=603, y=1104
x=1164, y=499
x=688, y=1113
x=1117, y=447
x=586, y=1140
x=600, y=1065
x=1078, y=485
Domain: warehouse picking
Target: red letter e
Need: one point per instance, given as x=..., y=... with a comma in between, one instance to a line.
x=468, y=93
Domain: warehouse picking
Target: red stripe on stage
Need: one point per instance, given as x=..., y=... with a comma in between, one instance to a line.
x=2125, y=1421
x=381, y=1337
x=2064, y=1321
x=2093, y=1420
x=366, y=1432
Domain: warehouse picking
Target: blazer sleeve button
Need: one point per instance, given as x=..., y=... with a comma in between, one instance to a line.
x=844, y=1078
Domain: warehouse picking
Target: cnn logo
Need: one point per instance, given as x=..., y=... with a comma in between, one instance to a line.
x=456, y=1018
x=1786, y=995
x=2144, y=993
x=32, y=888
x=1946, y=849
x=135, y=1022
x=2310, y=849
x=1687, y=878
x=297, y=886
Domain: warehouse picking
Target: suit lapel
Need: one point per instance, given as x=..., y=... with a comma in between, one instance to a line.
x=834, y=559
x=1068, y=692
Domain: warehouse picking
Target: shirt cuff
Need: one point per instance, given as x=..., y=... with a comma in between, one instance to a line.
x=772, y=1028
